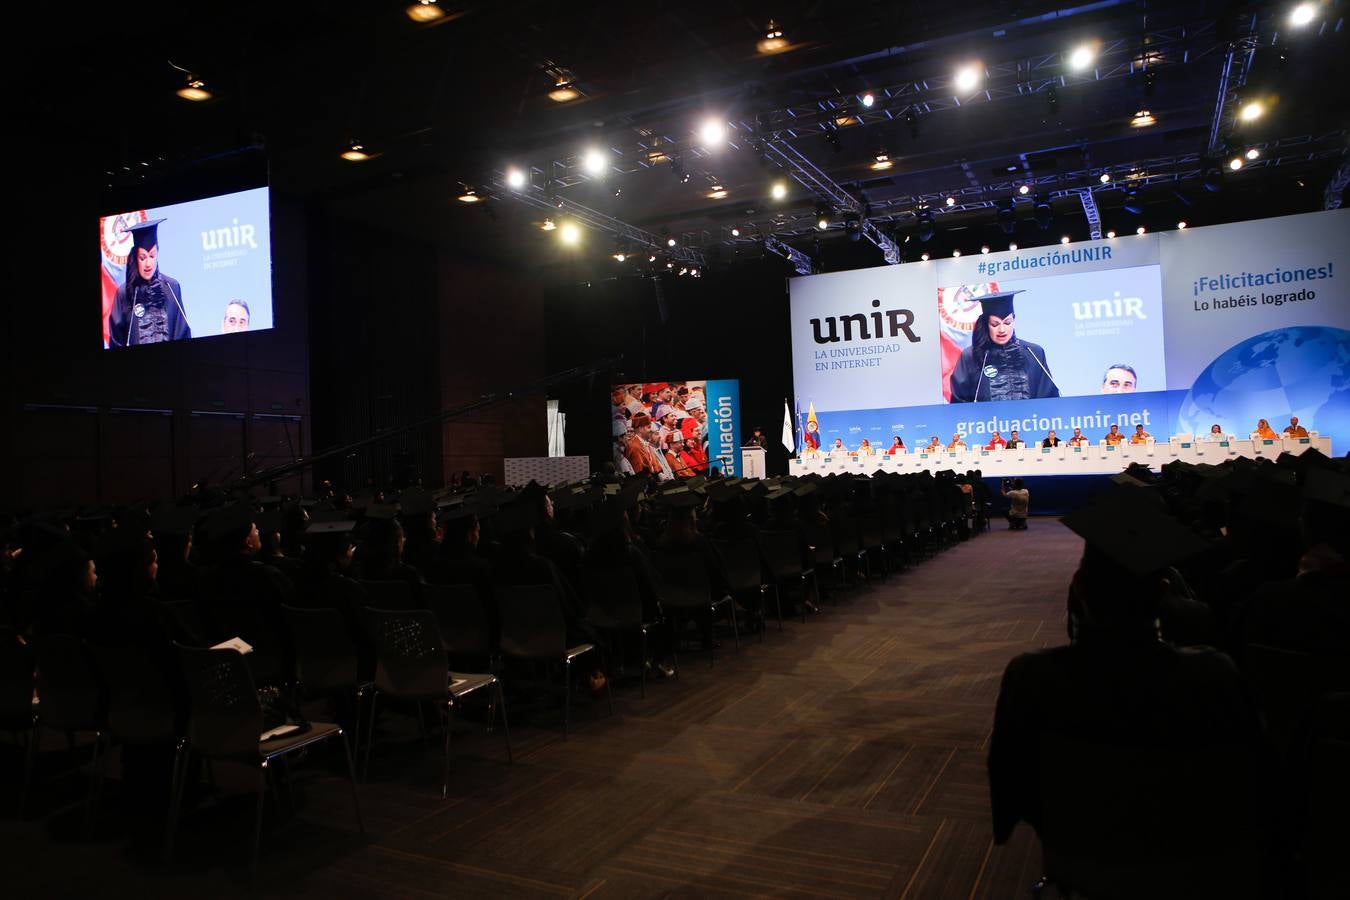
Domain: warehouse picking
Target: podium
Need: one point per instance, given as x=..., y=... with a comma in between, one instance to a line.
x=752, y=463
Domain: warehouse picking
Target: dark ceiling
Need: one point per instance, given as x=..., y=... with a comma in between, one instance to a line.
x=458, y=101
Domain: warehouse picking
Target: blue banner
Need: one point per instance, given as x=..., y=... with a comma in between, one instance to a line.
x=724, y=425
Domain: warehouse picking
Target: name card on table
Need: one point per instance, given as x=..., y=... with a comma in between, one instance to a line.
x=1112, y=448
x=1267, y=441
x=1185, y=445
x=1305, y=440
x=984, y=452
x=1045, y=450
x=1077, y=448
x=1223, y=443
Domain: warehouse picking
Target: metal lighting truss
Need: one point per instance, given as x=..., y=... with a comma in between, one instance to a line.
x=534, y=196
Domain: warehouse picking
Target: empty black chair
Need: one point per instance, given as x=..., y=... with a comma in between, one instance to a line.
x=465, y=627
x=71, y=698
x=326, y=658
x=18, y=713
x=532, y=627
x=686, y=590
x=820, y=544
x=783, y=557
x=411, y=664
x=226, y=723
x=392, y=594
x=615, y=605
x=743, y=569
x=1158, y=822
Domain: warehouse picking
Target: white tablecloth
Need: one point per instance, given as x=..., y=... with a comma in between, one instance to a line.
x=1096, y=459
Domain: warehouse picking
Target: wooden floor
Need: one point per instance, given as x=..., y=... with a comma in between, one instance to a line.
x=841, y=758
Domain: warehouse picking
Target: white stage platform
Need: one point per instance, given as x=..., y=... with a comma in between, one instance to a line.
x=1097, y=459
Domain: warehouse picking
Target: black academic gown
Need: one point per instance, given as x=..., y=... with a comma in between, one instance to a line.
x=161, y=302
x=1015, y=371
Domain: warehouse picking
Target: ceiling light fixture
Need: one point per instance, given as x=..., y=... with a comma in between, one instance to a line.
x=594, y=162
x=1024, y=189
x=194, y=89
x=735, y=232
x=713, y=133
x=1235, y=163
x=1253, y=153
x=469, y=196
x=951, y=201
x=1250, y=112
x=424, y=11
x=356, y=152
x=779, y=190
x=670, y=242
x=967, y=79
x=1105, y=178
x=1082, y=57
x=882, y=163
x=569, y=234
x=515, y=179
x=1064, y=239
x=1302, y=14
x=717, y=192
x=1181, y=225
x=867, y=100
x=956, y=252
x=1012, y=245
x=924, y=256
x=1142, y=119
x=564, y=86
x=773, y=40
x=1140, y=230
x=984, y=248
x=547, y=225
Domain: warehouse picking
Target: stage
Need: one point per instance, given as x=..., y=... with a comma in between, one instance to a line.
x=1097, y=459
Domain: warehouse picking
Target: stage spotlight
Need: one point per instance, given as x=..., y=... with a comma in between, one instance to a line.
x=594, y=162
x=693, y=273
x=853, y=226
x=951, y=201
x=1082, y=57
x=1235, y=163
x=712, y=133
x=1150, y=79
x=652, y=258
x=1181, y=225
x=670, y=265
x=1250, y=112
x=1302, y=14
x=1213, y=177
x=1007, y=218
x=779, y=190
x=1142, y=119
x=867, y=100
x=717, y=192
x=912, y=122
x=882, y=163
x=620, y=256
x=967, y=79
x=1045, y=215
x=926, y=227
x=735, y=232
x=773, y=40
x=356, y=152
x=1253, y=153
x=569, y=234
x=1133, y=205
x=1140, y=230
x=670, y=242
x=1024, y=189
x=547, y=225
x=1052, y=100
x=1110, y=234
x=515, y=178
x=832, y=136
x=1105, y=178
x=1012, y=245
x=984, y=248
x=1064, y=239
x=424, y=11
x=469, y=196
x=924, y=256
x=194, y=89
x=564, y=88
x=822, y=216
x=956, y=252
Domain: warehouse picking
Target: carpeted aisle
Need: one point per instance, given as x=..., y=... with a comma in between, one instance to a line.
x=840, y=758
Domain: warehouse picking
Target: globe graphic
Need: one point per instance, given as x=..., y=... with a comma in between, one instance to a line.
x=1301, y=371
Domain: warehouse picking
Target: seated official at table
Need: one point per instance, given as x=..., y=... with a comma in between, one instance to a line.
x=865, y=448
x=1051, y=440
x=1114, y=436
x=1295, y=430
x=957, y=443
x=897, y=447
x=934, y=444
x=838, y=446
x=996, y=442
x=1078, y=438
x=1215, y=433
x=1264, y=431
x=1140, y=436
x=1015, y=440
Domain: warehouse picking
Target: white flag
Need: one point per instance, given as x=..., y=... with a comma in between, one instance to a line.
x=788, y=440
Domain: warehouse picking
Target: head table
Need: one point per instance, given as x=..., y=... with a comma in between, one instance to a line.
x=1093, y=459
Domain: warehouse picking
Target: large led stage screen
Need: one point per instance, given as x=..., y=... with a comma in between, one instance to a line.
x=188, y=270
x=1178, y=332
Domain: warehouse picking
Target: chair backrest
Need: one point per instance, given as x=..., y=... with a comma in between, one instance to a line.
x=684, y=582
x=225, y=719
x=613, y=598
x=70, y=694
x=741, y=564
x=1167, y=820
x=391, y=594
x=325, y=654
x=143, y=707
x=459, y=608
x=16, y=682
x=531, y=620
x=1288, y=683
x=782, y=553
x=410, y=659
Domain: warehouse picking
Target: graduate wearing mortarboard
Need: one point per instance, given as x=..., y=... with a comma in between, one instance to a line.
x=998, y=365
x=148, y=308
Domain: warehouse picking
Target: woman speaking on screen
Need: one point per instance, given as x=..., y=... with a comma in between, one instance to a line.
x=998, y=365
